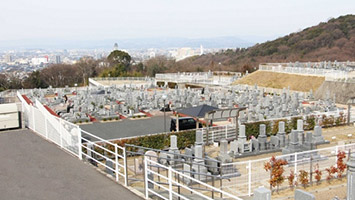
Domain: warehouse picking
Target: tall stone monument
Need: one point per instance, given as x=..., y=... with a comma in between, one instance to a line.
x=351, y=178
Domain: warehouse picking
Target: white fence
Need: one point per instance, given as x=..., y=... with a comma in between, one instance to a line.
x=105, y=155
x=102, y=153
x=198, y=77
x=306, y=71
x=174, y=184
x=63, y=133
x=113, y=159
x=253, y=174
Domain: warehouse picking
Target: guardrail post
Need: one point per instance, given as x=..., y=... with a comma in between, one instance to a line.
x=295, y=166
x=80, y=153
x=125, y=166
x=60, y=133
x=145, y=177
x=226, y=132
x=46, y=126
x=170, y=183
x=116, y=160
x=33, y=118
x=249, y=178
x=336, y=157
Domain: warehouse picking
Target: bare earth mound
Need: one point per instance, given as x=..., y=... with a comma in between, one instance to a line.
x=282, y=80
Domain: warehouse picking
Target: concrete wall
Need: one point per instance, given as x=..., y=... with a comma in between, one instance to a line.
x=343, y=91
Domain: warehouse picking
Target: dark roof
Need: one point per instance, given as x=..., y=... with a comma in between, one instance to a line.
x=198, y=111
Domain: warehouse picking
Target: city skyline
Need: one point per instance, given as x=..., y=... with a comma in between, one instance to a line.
x=86, y=21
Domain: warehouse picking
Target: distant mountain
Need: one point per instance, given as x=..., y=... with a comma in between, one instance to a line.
x=139, y=43
x=334, y=40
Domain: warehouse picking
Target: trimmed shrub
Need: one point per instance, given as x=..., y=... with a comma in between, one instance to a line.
x=252, y=129
x=160, y=141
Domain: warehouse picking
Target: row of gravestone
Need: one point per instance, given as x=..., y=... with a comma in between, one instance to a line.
x=102, y=102
x=296, y=141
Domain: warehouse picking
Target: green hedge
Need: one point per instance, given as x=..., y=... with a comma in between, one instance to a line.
x=272, y=126
x=161, y=141
x=187, y=138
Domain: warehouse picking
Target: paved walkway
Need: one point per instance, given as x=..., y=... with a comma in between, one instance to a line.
x=32, y=168
x=128, y=128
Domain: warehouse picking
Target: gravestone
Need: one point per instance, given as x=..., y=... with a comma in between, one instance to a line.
x=351, y=178
x=303, y=195
x=234, y=147
x=293, y=145
x=281, y=134
x=173, y=145
x=188, y=154
x=89, y=150
x=255, y=145
x=242, y=139
x=198, y=152
x=262, y=193
x=262, y=137
x=163, y=158
x=150, y=176
x=317, y=136
x=223, y=155
x=151, y=155
x=299, y=125
x=109, y=164
x=138, y=166
x=308, y=144
x=199, y=137
x=187, y=170
x=275, y=142
x=198, y=163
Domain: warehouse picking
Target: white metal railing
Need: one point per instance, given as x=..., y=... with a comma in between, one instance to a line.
x=118, y=153
x=112, y=157
x=173, y=183
x=329, y=73
x=70, y=138
x=228, y=132
x=253, y=174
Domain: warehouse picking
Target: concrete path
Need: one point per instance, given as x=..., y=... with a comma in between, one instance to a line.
x=32, y=168
x=128, y=128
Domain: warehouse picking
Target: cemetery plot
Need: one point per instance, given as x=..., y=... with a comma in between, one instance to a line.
x=82, y=105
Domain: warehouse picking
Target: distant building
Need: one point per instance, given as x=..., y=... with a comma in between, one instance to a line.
x=57, y=60
x=8, y=58
x=115, y=46
x=39, y=61
x=152, y=54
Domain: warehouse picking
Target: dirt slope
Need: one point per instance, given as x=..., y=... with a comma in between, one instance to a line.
x=282, y=80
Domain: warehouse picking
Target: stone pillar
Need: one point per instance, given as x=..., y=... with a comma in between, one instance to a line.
x=281, y=134
x=173, y=142
x=223, y=147
x=303, y=195
x=199, y=137
x=262, y=193
x=262, y=137
x=198, y=152
x=351, y=178
x=299, y=125
x=177, y=123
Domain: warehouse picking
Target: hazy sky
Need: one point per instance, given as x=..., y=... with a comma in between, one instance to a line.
x=110, y=19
